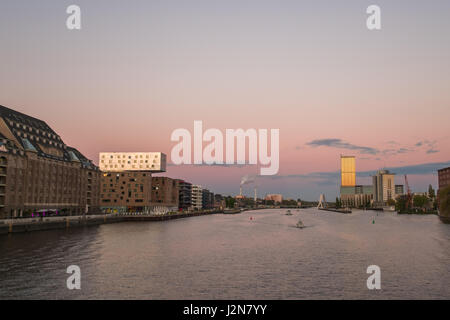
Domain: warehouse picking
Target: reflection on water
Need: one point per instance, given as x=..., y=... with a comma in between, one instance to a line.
x=234, y=257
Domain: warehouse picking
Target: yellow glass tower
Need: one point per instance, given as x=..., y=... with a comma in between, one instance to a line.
x=348, y=174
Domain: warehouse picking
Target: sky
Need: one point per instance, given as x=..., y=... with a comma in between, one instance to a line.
x=138, y=70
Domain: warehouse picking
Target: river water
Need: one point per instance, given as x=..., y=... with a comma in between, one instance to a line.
x=253, y=255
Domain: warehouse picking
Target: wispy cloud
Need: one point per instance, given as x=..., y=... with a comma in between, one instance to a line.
x=340, y=144
x=430, y=145
x=392, y=151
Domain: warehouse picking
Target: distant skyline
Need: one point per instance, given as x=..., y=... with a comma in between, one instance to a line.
x=137, y=71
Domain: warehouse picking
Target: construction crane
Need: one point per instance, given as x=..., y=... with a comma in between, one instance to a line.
x=409, y=198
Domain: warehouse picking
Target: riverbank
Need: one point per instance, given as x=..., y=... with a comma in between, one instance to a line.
x=50, y=223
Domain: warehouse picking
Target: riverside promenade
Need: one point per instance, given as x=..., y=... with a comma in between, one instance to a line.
x=49, y=223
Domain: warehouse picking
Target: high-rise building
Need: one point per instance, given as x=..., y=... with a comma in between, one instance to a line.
x=399, y=190
x=348, y=171
x=39, y=173
x=352, y=195
x=383, y=187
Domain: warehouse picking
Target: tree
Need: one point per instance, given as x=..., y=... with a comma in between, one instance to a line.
x=338, y=203
x=431, y=193
x=400, y=204
x=229, y=202
x=444, y=202
x=391, y=202
x=420, y=201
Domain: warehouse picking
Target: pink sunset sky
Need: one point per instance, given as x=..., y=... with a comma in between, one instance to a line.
x=136, y=72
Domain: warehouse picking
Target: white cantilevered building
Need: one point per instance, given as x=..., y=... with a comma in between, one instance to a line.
x=133, y=161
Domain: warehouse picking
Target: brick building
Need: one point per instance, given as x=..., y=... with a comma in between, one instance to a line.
x=39, y=173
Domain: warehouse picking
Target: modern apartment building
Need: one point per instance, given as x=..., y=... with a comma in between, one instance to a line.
x=207, y=199
x=39, y=173
x=184, y=195
x=127, y=181
x=383, y=187
x=196, y=197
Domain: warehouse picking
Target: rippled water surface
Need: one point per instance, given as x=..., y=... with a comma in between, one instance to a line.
x=234, y=257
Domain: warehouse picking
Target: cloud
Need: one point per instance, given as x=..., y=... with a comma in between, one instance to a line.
x=429, y=144
x=338, y=143
x=392, y=151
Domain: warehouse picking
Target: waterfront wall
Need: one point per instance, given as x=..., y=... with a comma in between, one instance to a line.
x=38, y=224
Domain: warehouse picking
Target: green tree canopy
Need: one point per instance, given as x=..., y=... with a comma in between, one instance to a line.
x=420, y=201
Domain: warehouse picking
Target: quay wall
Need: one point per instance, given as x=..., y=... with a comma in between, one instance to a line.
x=49, y=223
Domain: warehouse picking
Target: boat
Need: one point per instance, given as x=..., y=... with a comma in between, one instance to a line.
x=300, y=224
x=288, y=213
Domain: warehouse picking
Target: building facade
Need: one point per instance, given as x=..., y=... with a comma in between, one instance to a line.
x=196, y=197
x=444, y=178
x=132, y=161
x=399, y=190
x=184, y=195
x=383, y=187
x=348, y=171
x=276, y=198
x=129, y=191
x=39, y=174
x=357, y=196
x=165, y=192
x=127, y=183
x=207, y=199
